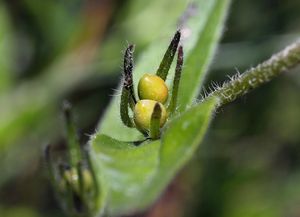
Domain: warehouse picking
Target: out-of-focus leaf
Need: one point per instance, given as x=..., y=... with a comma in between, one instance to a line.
x=130, y=25
x=6, y=49
x=24, y=211
x=18, y=211
x=27, y=112
x=62, y=21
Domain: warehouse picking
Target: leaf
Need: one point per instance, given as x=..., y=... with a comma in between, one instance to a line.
x=201, y=55
x=205, y=29
x=132, y=177
x=125, y=169
x=6, y=50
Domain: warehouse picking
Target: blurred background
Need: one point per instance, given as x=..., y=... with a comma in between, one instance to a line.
x=51, y=50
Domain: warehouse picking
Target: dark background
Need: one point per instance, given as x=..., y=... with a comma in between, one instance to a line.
x=50, y=50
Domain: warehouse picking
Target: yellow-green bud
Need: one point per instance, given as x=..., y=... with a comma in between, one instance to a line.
x=71, y=177
x=153, y=87
x=143, y=111
x=87, y=179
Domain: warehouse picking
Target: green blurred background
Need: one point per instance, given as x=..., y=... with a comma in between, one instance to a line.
x=51, y=50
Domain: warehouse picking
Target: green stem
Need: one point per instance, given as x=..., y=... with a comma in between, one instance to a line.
x=280, y=62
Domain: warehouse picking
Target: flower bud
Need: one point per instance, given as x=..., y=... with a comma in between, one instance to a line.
x=143, y=111
x=153, y=87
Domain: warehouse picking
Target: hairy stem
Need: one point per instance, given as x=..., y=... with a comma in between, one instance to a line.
x=239, y=85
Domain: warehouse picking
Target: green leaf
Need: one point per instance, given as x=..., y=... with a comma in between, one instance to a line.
x=205, y=29
x=125, y=170
x=6, y=50
x=199, y=59
x=132, y=177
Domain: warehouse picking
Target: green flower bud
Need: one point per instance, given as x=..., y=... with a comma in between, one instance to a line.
x=87, y=179
x=143, y=111
x=153, y=87
x=71, y=177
